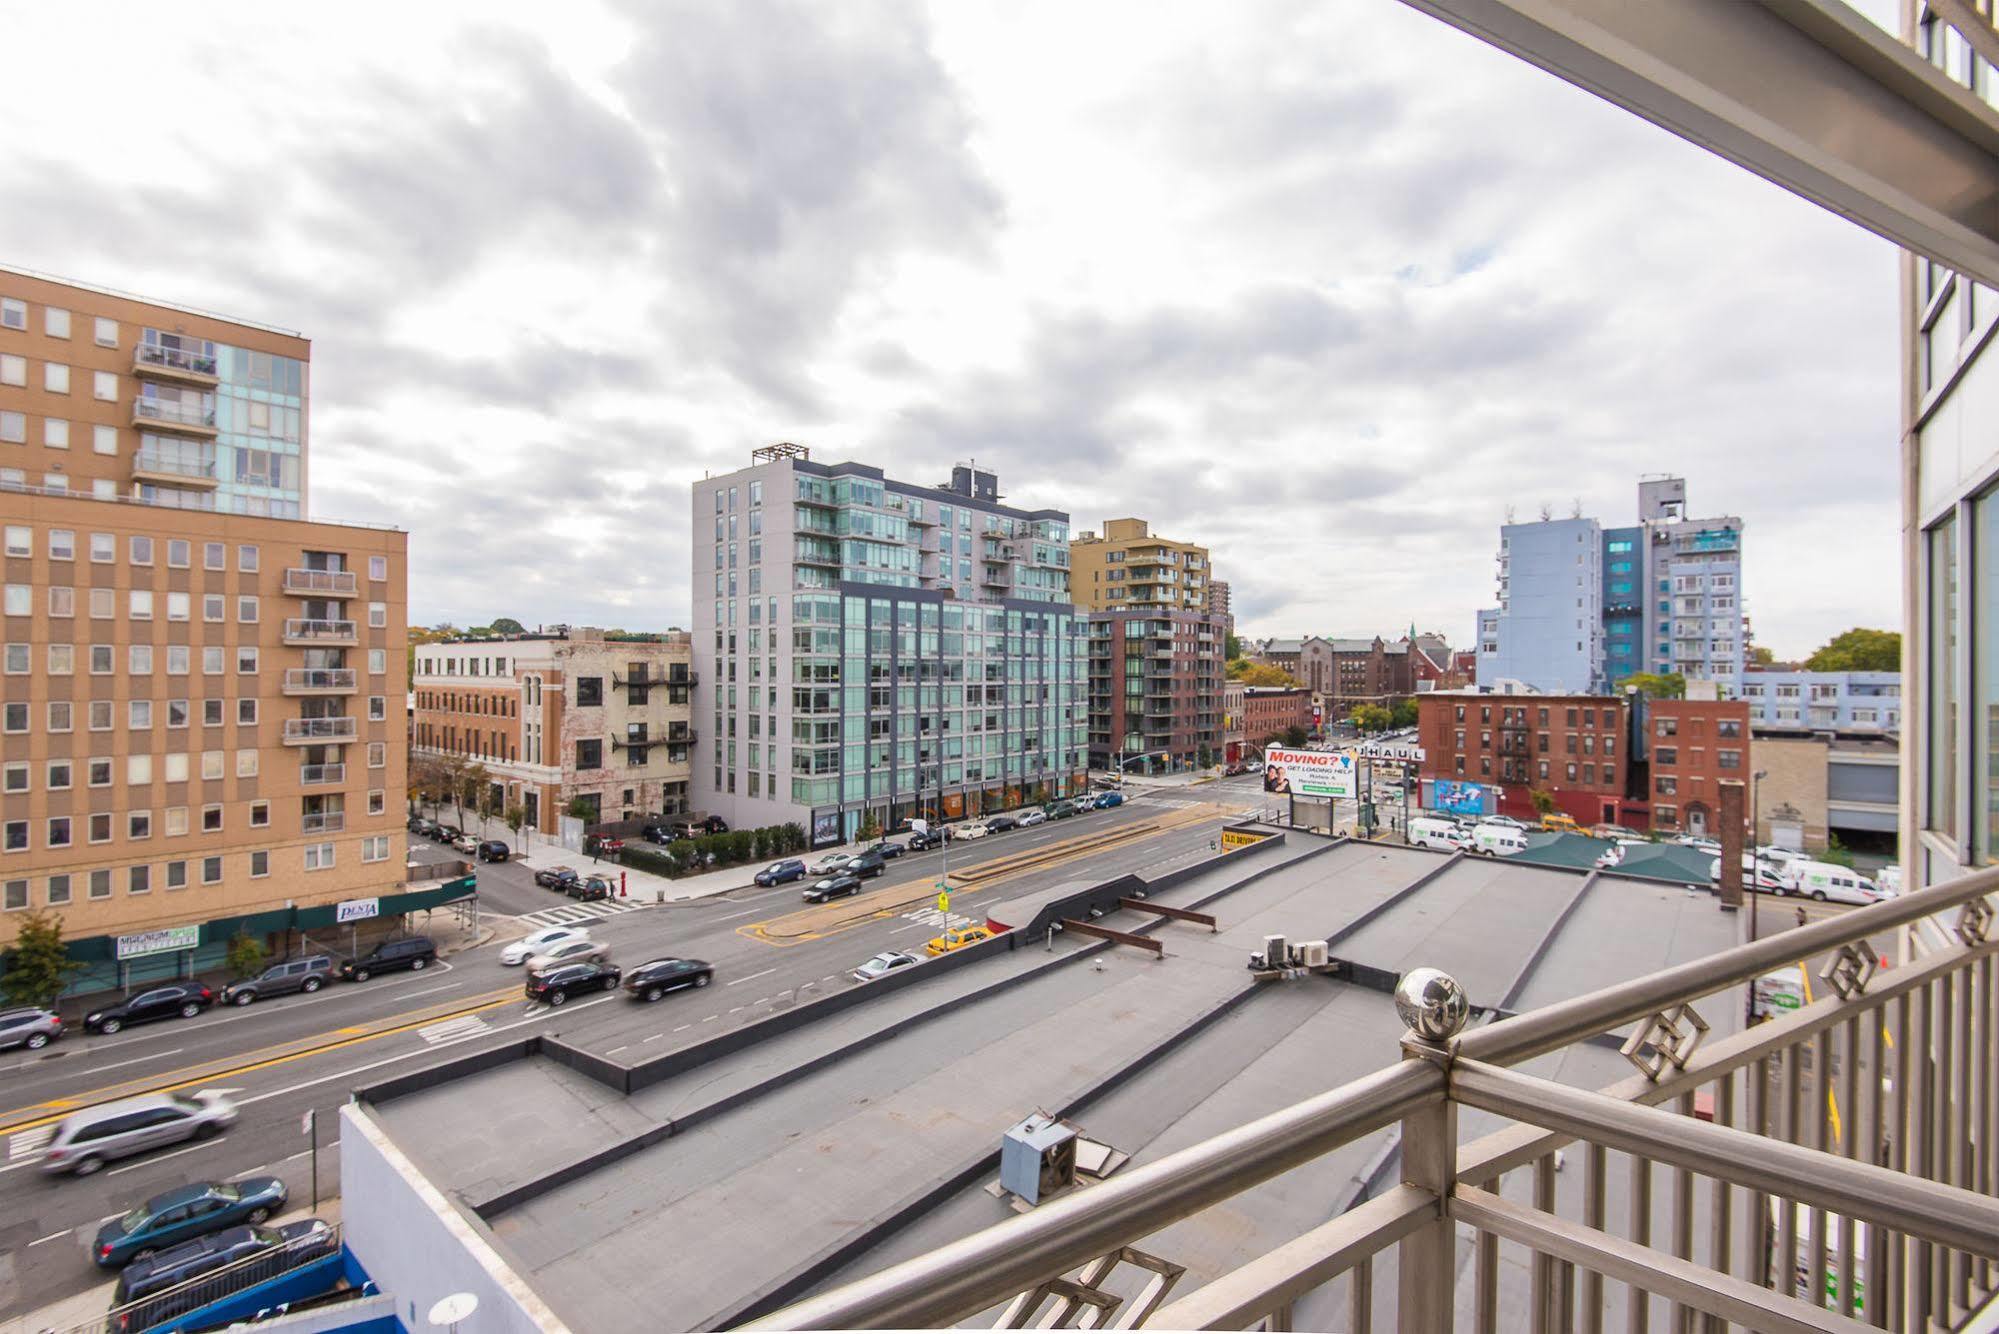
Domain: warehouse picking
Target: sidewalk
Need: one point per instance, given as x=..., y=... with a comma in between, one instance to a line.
x=668, y=889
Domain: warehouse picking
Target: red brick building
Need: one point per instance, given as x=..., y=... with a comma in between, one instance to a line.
x=1573, y=747
x=1696, y=745
x=1268, y=710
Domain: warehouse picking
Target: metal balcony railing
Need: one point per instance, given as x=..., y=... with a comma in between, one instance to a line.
x=321, y=729
x=1832, y=1168
x=147, y=460
x=147, y=356
x=172, y=412
x=310, y=680
x=313, y=775
x=322, y=583
x=309, y=629
x=322, y=822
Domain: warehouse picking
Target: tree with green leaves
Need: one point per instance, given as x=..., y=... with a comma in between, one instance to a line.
x=245, y=956
x=1761, y=656
x=1204, y=757
x=1859, y=650
x=1658, y=685
x=581, y=808
x=1294, y=736
x=507, y=625
x=1370, y=717
x=1403, y=713
x=516, y=819
x=1260, y=674
x=1544, y=802
x=1231, y=648
x=38, y=966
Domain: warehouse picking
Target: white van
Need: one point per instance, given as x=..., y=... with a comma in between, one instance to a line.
x=1429, y=831
x=1888, y=884
x=1498, y=840
x=1826, y=882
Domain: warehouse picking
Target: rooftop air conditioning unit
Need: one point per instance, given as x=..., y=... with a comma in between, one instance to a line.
x=1274, y=951
x=1309, y=954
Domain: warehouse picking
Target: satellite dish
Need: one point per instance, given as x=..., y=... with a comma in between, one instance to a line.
x=450, y=1310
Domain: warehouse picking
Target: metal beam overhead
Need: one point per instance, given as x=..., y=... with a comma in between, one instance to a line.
x=1805, y=93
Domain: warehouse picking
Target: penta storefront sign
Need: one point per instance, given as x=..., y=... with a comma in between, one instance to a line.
x=357, y=910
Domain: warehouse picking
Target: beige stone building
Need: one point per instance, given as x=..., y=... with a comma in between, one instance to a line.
x=1128, y=569
x=562, y=716
x=197, y=736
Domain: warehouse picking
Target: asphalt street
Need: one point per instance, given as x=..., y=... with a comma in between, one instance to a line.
x=279, y=1058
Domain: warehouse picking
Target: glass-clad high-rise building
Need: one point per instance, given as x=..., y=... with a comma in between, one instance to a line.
x=873, y=649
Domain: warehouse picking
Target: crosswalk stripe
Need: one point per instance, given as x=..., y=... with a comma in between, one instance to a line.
x=29, y=1143
x=570, y=914
x=464, y=1026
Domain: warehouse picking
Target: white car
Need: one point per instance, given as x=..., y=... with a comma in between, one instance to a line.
x=1782, y=857
x=466, y=843
x=1506, y=820
x=568, y=951
x=970, y=829
x=882, y=965
x=832, y=865
x=1033, y=817
x=520, y=951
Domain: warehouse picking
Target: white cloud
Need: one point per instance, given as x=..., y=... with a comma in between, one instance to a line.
x=1328, y=287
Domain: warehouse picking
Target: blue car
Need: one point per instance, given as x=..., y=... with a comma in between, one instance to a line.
x=184, y=1214
x=1105, y=800
x=781, y=873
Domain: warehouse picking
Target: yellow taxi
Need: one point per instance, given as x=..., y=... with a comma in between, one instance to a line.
x=956, y=939
x=1557, y=823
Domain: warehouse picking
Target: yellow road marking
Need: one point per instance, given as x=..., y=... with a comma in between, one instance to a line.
x=136, y=1088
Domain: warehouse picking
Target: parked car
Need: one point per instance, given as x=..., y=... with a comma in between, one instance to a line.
x=1506, y=820
x=655, y=977
x=419, y=825
x=1029, y=819
x=493, y=850
x=588, y=889
x=1498, y=840
x=888, y=961
x=1556, y=822
x=415, y=953
x=832, y=864
x=781, y=873
x=866, y=866
x=29, y=1027
x=159, y=1278
x=1060, y=810
x=184, y=1000
x=84, y=1141
x=886, y=849
x=833, y=887
x=925, y=840
x=1616, y=831
x=466, y=843
x=969, y=829
x=550, y=877
x=1827, y=882
x=308, y=974
x=1443, y=835
x=184, y=1213
x=1000, y=824
x=565, y=879
x=956, y=939
x=445, y=833
x=557, y=985
x=520, y=951
x=1106, y=800
x=576, y=949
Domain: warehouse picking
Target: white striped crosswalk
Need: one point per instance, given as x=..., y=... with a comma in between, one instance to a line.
x=464, y=1026
x=29, y=1143
x=570, y=914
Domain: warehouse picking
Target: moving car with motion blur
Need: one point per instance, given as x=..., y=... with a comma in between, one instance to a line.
x=85, y=1141
x=655, y=977
x=520, y=951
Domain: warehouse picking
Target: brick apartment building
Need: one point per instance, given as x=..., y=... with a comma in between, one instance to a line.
x=557, y=717
x=1696, y=745
x=1573, y=747
x=1268, y=710
x=1155, y=688
x=1344, y=673
x=197, y=737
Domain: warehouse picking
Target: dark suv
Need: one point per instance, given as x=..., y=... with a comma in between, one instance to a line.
x=155, y=1277
x=561, y=982
x=493, y=850
x=282, y=979
x=866, y=865
x=925, y=840
x=412, y=952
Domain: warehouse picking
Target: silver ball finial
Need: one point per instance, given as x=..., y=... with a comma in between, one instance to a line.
x=1432, y=1003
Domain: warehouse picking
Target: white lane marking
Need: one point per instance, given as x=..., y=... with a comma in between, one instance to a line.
x=29, y=1143
x=682, y=1028
x=734, y=1009
x=655, y=1037
x=830, y=977
x=428, y=991
x=450, y=1030
x=711, y=1018
x=52, y=1236
x=615, y=1050
x=752, y=977
x=160, y=1158
x=734, y=915
x=911, y=927
x=302, y=1153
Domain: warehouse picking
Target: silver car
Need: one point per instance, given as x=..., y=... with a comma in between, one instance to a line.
x=30, y=1027
x=85, y=1141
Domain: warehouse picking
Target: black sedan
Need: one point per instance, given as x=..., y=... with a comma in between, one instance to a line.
x=596, y=887
x=175, y=999
x=999, y=824
x=183, y=1214
x=781, y=873
x=833, y=887
x=886, y=849
x=928, y=839
x=558, y=984
x=654, y=978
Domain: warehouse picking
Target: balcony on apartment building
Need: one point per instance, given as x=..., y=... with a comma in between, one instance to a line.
x=1830, y=1168
x=316, y=775
x=320, y=681
x=174, y=468
x=187, y=416
x=320, y=731
x=322, y=583
x=322, y=822
x=306, y=632
x=181, y=365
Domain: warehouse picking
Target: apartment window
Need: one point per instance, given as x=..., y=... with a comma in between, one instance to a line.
x=211, y=819
x=1666, y=755
x=378, y=661
x=179, y=606
x=62, y=544
x=260, y=864
x=13, y=370
x=20, y=600
x=15, y=897
x=176, y=821
x=98, y=772
x=318, y=856
x=58, y=893
x=14, y=778
x=589, y=691
x=16, y=657
x=55, y=377
x=378, y=754
x=103, y=603
x=177, y=659
x=13, y=314
x=139, y=659
x=211, y=870
x=100, y=662
x=104, y=387
x=100, y=884
x=104, y=439
x=140, y=604
x=58, y=775
x=16, y=837
x=176, y=875
x=378, y=801
x=62, y=660
x=246, y=610
x=178, y=550
x=139, y=717
x=246, y=712
x=14, y=427
x=211, y=607
x=212, y=660
x=138, y=879
x=60, y=719
x=246, y=558
x=1728, y=759
x=20, y=540
x=211, y=764
x=139, y=825
x=214, y=555
x=260, y=814
x=378, y=568
x=107, y=332
x=378, y=708
x=1572, y=773
x=375, y=848
x=378, y=614
x=246, y=763
x=55, y=433
x=211, y=714
x=246, y=660
x=100, y=827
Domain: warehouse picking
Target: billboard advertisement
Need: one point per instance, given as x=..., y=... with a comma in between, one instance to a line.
x=1458, y=798
x=1308, y=773
x=825, y=827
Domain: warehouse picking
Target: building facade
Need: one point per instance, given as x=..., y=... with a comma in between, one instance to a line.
x=1696, y=746
x=1155, y=689
x=1839, y=701
x=1547, y=630
x=1269, y=711
x=565, y=722
x=1572, y=747
x=869, y=648
x=197, y=735
x=1128, y=568
x=1235, y=735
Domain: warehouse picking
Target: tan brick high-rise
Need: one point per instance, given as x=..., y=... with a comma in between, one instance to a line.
x=198, y=733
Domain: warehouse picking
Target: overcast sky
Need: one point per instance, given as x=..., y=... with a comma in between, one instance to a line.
x=1326, y=285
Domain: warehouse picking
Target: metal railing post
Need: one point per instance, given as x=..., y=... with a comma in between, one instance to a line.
x=1434, y=1007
